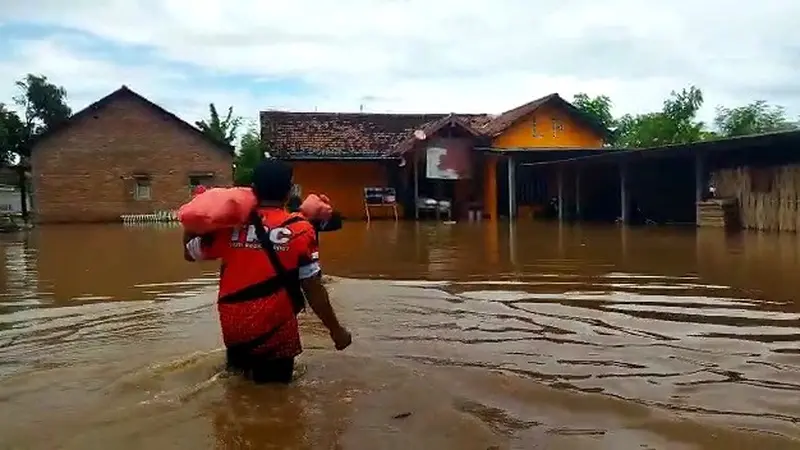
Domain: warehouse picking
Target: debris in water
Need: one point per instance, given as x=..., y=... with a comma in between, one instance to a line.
x=401, y=415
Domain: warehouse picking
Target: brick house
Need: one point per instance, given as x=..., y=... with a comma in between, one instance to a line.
x=122, y=155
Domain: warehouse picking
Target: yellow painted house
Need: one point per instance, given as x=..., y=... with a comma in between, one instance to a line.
x=341, y=154
x=546, y=125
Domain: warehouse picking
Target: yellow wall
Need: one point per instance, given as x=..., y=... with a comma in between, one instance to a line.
x=573, y=133
x=343, y=182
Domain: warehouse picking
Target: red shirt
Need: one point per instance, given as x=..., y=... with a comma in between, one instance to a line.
x=256, y=312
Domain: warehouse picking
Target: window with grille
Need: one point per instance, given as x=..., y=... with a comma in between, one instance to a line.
x=200, y=180
x=142, y=190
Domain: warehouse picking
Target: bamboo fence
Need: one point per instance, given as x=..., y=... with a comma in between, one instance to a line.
x=774, y=208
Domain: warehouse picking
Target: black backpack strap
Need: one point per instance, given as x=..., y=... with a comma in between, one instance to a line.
x=289, y=279
x=291, y=220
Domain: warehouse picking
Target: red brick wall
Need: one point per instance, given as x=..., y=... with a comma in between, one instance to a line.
x=85, y=172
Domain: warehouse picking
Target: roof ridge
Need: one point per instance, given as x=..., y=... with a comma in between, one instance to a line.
x=124, y=89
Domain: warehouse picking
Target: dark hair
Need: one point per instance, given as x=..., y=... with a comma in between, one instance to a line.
x=272, y=180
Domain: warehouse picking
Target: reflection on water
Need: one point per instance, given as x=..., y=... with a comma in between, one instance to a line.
x=71, y=265
x=468, y=336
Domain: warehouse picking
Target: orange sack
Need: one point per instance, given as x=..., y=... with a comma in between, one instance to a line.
x=317, y=207
x=219, y=208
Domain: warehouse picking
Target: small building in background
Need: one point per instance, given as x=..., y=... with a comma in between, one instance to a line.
x=433, y=159
x=341, y=154
x=122, y=155
x=10, y=198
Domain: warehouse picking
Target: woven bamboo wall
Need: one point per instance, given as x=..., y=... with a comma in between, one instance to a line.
x=772, y=206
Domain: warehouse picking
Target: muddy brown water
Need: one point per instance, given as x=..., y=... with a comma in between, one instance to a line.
x=467, y=337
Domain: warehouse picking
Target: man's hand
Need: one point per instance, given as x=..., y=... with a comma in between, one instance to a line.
x=316, y=207
x=317, y=296
x=341, y=338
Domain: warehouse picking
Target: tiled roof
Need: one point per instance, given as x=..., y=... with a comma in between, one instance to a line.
x=430, y=128
x=501, y=123
x=505, y=120
x=311, y=135
x=126, y=92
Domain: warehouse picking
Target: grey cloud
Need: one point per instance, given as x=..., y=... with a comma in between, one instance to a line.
x=742, y=52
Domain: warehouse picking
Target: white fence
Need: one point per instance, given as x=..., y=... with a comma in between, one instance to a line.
x=156, y=217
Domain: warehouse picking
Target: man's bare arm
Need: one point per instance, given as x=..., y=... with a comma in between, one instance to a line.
x=317, y=296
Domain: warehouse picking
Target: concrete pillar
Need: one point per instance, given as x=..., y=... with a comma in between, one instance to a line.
x=578, y=193
x=560, y=185
x=699, y=186
x=416, y=187
x=512, y=243
x=512, y=188
x=490, y=206
x=623, y=193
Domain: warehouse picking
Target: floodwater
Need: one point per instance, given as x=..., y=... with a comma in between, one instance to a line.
x=467, y=336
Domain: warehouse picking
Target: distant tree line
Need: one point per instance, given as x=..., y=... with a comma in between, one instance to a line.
x=42, y=105
x=677, y=123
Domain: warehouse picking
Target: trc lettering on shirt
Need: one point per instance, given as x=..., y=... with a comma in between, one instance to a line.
x=279, y=236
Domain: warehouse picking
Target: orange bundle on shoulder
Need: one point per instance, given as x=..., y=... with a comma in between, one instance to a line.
x=218, y=208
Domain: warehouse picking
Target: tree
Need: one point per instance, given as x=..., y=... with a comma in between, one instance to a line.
x=12, y=135
x=680, y=110
x=598, y=108
x=250, y=152
x=44, y=106
x=675, y=124
x=757, y=117
x=222, y=131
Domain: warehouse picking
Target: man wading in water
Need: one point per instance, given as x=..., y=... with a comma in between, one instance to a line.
x=268, y=269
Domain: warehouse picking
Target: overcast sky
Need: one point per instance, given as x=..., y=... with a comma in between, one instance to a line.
x=404, y=55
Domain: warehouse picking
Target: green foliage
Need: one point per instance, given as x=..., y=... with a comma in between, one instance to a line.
x=675, y=124
x=44, y=104
x=250, y=152
x=757, y=117
x=12, y=135
x=220, y=130
x=598, y=108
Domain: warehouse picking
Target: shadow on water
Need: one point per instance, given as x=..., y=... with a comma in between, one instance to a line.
x=468, y=336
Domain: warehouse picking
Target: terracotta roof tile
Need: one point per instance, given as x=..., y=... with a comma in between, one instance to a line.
x=343, y=135
x=501, y=123
x=371, y=135
x=465, y=122
x=505, y=120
